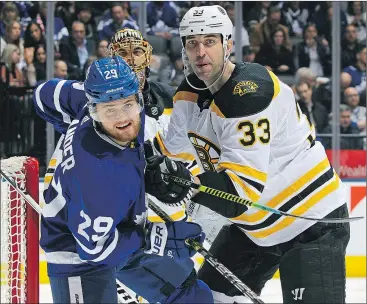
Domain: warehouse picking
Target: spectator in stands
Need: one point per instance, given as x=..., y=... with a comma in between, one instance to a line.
x=322, y=92
x=346, y=127
x=118, y=21
x=162, y=19
x=322, y=19
x=357, y=17
x=12, y=33
x=60, y=29
x=75, y=50
x=12, y=36
x=10, y=72
x=130, y=15
x=40, y=63
x=35, y=71
x=316, y=113
x=248, y=54
x=9, y=13
x=33, y=35
x=350, y=45
x=351, y=98
x=258, y=13
x=102, y=49
x=84, y=15
x=295, y=18
x=305, y=75
x=60, y=69
x=229, y=7
x=314, y=52
x=87, y=65
x=358, y=71
x=275, y=56
x=101, y=52
x=66, y=11
x=261, y=34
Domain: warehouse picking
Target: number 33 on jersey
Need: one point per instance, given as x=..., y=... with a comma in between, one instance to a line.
x=253, y=130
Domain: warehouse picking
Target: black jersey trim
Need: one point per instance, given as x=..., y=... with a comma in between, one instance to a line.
x=328, y=175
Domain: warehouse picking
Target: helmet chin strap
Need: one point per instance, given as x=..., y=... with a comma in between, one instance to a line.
x=225, y=60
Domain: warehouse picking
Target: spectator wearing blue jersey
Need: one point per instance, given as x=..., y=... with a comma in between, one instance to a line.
x=118, y=21
x=358, y=71
x=162, y=19
x=60, y=29
x=92, y=226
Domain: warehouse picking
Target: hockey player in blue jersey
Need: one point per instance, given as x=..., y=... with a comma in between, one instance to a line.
x=158, y=102
x=92, y=222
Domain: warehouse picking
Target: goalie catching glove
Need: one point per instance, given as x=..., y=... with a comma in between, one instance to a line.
x=164, y=189
x=168, y=239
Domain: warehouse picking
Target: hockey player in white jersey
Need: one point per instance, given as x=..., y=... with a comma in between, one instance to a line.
x=245, y=129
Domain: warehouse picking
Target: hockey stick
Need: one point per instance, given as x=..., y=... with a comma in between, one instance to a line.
x=224, y=271
x=123, y=296
x=26, y=196
x=242, y=201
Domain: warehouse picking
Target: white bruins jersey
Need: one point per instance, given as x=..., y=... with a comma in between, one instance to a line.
x=152, y=126
x=253, y=130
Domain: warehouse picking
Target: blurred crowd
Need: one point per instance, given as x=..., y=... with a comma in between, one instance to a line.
x=292, y=39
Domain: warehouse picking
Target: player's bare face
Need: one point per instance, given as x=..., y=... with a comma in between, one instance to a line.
x=120, y=119
x=205, y=53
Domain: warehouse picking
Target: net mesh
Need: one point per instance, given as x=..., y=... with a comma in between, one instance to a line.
x=13, y=233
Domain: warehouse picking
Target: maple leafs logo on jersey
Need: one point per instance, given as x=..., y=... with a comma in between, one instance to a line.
x=245, y=87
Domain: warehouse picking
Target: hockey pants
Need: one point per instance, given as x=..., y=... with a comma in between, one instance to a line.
x=312, y=265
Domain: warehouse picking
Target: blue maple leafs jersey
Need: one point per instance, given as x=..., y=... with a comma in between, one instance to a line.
x=95, y=201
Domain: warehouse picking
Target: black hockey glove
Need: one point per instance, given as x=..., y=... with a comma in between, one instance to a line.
x=163, y=189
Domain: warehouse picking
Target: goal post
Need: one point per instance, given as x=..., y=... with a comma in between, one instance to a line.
x=19, y=232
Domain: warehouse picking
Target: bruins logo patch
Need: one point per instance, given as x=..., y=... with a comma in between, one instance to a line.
x=207, y=151
x=245, y=87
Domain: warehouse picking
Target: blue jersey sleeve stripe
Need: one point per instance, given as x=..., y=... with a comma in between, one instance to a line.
x=65, y=117
x=38, y=97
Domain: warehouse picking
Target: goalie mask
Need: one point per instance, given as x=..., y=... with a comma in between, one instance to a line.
x=134, y=49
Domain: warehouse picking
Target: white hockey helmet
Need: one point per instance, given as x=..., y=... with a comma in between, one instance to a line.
x=205, y=20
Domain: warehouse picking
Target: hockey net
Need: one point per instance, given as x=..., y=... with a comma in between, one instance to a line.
x=19, y=232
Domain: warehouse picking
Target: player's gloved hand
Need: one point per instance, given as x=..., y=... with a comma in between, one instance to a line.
x=151, y=147
x=164, y=189
x=168, y=239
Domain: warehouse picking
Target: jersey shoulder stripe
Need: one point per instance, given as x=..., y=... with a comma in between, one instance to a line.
x=248, y=91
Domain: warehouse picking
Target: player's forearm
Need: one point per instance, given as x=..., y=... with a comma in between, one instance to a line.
x=219, y=181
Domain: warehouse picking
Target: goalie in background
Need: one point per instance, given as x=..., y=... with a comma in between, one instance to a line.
x=92, y=225
x=249, y=137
